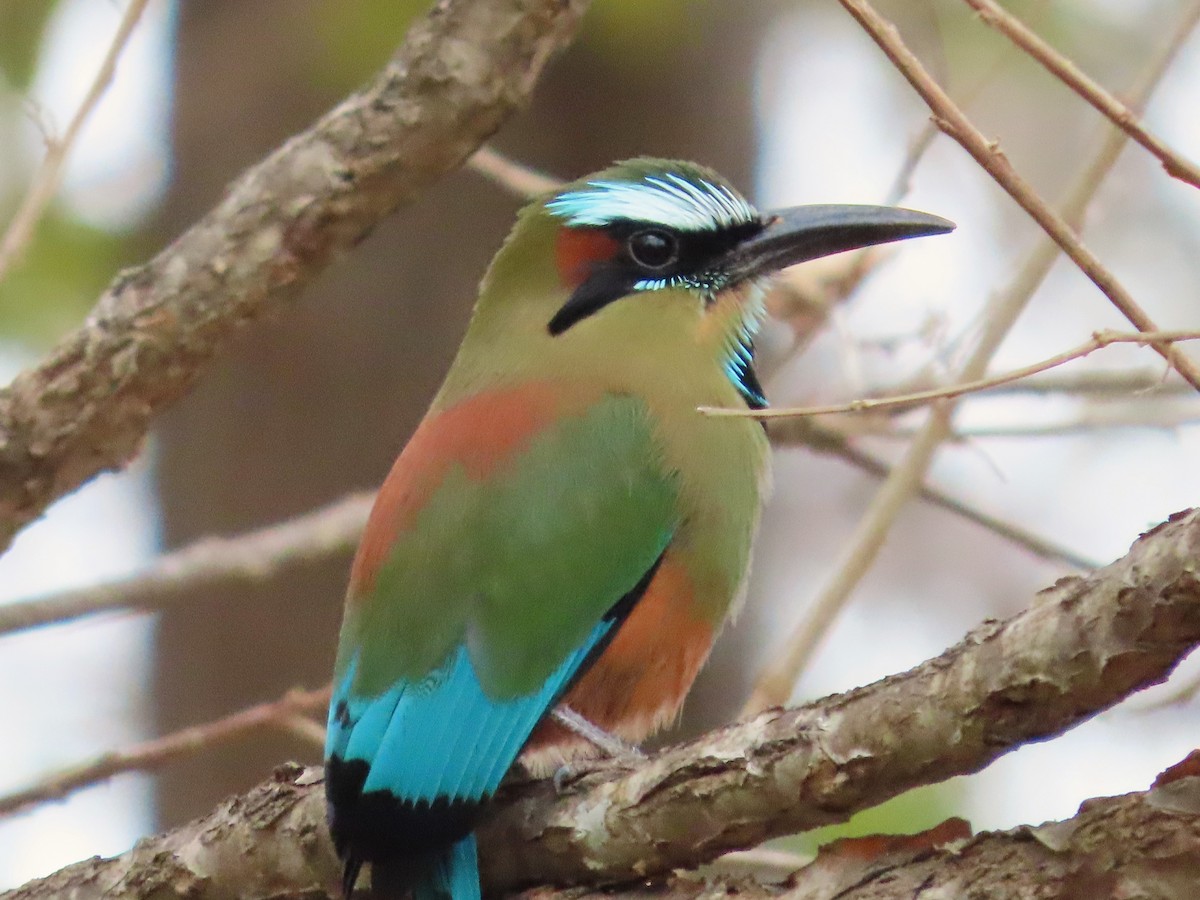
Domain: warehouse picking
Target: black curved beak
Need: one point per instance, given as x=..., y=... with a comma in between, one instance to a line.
x=801, y=233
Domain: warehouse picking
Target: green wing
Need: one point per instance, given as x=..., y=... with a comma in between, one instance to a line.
x=519, y=567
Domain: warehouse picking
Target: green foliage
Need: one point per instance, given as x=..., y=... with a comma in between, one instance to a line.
x=64, y=269
x=22, y=23
x=911, y=812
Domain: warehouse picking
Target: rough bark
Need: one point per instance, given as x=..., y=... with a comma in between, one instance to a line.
x=1139, y=845
x=86, y=407
x=1083, y=645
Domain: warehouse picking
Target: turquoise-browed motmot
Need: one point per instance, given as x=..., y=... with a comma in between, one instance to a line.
x=564, y=526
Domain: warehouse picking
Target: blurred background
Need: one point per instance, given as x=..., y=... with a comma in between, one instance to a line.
x=790, y=100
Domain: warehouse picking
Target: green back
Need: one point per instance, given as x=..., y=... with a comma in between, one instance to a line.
x=523, y=565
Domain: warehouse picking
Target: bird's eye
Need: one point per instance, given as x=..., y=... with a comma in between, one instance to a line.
x=653, y=249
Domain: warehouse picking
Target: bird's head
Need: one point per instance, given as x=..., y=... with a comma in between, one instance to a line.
x=661, y=255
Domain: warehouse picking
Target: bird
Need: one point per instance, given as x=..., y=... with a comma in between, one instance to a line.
x=565, y=527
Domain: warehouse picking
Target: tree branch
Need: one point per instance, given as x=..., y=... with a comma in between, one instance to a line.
x=994, y=15
x=822, y=439
x=288, y=712
x=514, y=177
x=775, y=684
x=207, y=566
x=1082, y=646
x=955, y=124
x=1139, y=845
x=1154, y=382
x=86, y=407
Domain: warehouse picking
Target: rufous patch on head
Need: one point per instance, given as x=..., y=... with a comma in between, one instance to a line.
x=578, y=250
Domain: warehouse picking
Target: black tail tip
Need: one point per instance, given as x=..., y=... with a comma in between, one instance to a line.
x=350, y=870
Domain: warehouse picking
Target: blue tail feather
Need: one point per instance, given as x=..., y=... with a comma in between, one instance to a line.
x=450, y=874
x=455, y=875
x=417, y=751
x=408, y=768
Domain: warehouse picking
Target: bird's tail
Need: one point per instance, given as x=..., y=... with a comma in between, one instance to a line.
x=455, y=874
x=452, y=875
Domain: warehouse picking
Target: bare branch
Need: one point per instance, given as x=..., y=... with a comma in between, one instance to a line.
x=516, y=178
x=86, y=407
x=1099, y=340
x=1144, y=844
x=951, y=120
x=1149, y=381
x=208, y=565
x=805, y=297
x=821, y=439
x=1082, y=646
x=774, y=685
x=49, y=175
x=282, y=713
x=1125, y=419
x=1069, y=74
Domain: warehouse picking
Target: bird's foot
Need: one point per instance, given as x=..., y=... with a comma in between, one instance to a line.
x=608, y=743
x=611, y=745
x=563, y=776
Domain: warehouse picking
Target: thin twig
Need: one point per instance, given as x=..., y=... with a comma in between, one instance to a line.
x=774, y=686
x=929, y=130
x=1068, y=73
x=1150, y=382
x=1183, y=695
x=804, y=298
x=806, y=302
x=158, y=751
x=951, y=120
x=1127, y=421
x=824, y=440
x=1103, y=385
x=1099, y=340
x=255, y=556
x=515, y=177
x=49, y=176
x=301, y=726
